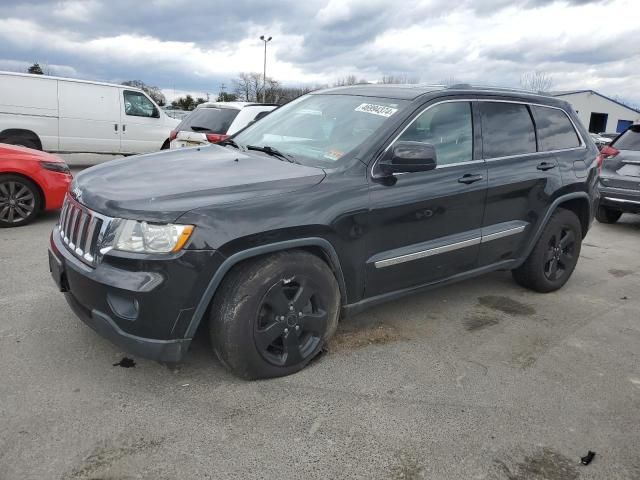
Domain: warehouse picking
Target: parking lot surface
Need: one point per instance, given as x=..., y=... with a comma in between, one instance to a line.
x=479, y=380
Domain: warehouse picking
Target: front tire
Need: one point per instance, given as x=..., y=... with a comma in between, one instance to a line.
x=555, y=255
x=607, y=215
x=19, y=201
x=273, y=315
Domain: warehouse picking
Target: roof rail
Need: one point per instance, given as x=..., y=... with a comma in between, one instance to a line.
x=496, y=88
x=478, y=86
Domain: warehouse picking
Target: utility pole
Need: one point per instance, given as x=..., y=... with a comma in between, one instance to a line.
x=264, y=70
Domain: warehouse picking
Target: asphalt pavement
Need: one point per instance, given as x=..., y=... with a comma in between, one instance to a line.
x=479, y=380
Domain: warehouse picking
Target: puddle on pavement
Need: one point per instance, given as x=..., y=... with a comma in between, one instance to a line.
x=620, y=273
x=545, y=464
x=480, y=320
x=506, y=305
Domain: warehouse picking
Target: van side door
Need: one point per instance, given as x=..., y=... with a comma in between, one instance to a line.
x=89, y=117
x=425, y=226
x=144, y=128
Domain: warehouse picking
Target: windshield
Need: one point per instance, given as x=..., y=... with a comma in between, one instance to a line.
x=629, y=140
x=210, y=120
x=321, y=129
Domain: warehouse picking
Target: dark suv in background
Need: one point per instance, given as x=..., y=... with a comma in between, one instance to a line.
x=337, y=201
x=620, y=177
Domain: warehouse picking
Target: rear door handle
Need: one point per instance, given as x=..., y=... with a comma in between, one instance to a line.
x=115, y=127
x=544, y=166
x=469, y=178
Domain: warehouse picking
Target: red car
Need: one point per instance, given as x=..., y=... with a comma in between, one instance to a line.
x=30, y=181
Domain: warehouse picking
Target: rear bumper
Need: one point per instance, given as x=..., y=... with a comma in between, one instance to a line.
x=620, y=199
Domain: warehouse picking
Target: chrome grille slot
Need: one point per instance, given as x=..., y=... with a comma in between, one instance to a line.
x=81, y=230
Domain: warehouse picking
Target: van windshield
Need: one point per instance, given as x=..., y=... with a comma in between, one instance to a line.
x=321, y=129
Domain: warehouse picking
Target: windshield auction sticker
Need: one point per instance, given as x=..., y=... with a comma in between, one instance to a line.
x=376, y=109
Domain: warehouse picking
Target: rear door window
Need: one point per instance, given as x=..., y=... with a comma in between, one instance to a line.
x=555, y=130
x=209, y=120
x=629, y=140
x=507, y=129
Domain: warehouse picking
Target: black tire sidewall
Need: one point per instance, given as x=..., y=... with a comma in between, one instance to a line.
x=36, y=195
x=561, y=219
x=531, y=273
x=235, y=310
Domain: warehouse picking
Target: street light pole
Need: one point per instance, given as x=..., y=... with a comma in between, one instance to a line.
x=264, y=70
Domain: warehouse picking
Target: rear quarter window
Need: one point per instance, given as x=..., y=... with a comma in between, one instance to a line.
x=209, y=120
x=629, y=140
x=555, y=130
x=507, y=129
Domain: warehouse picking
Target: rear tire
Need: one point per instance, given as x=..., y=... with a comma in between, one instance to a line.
x=555, y=255
x=19, y=201
x=608, y=215
x=271, y=316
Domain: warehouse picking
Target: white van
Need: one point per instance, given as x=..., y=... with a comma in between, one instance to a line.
x=65, y=115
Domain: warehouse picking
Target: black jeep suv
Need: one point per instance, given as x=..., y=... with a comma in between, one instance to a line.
x=339, y=200
x=620, y=177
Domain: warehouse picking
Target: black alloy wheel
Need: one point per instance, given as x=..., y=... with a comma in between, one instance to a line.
x=560, y=253
x=291, y=322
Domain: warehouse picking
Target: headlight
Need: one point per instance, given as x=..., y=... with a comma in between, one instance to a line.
x=59, y=167
x=143, y=237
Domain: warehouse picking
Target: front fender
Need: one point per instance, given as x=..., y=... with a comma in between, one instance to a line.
x=234, y=259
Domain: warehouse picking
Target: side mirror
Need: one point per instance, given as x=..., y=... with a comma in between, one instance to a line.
x=404, y=157
x=156, y=113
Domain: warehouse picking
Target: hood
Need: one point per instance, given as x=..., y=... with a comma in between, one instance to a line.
x=24, y=153
x=160, y=187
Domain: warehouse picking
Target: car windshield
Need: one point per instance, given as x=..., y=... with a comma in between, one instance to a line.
x=320, y=130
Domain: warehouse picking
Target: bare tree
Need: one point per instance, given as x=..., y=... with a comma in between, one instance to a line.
x=449, y=81
x=349, y=80
x=536, y=81
x=248, y=86
x=626, y=102
x=154, y=92
x=399, y=79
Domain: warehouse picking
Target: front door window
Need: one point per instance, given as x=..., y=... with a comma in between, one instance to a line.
x=136, y=104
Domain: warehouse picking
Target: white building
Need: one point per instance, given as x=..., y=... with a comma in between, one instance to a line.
x=599, y=113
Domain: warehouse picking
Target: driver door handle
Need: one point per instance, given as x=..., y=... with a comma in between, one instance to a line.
x=469, y=178
x=544, y=166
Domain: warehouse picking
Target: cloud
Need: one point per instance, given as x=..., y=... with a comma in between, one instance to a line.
x=196, y=45
x=77, y=10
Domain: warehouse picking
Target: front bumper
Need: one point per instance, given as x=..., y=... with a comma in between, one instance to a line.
x=144, y=304
x=622, y=199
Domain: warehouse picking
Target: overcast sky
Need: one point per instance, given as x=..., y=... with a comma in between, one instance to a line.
x=195, y=45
